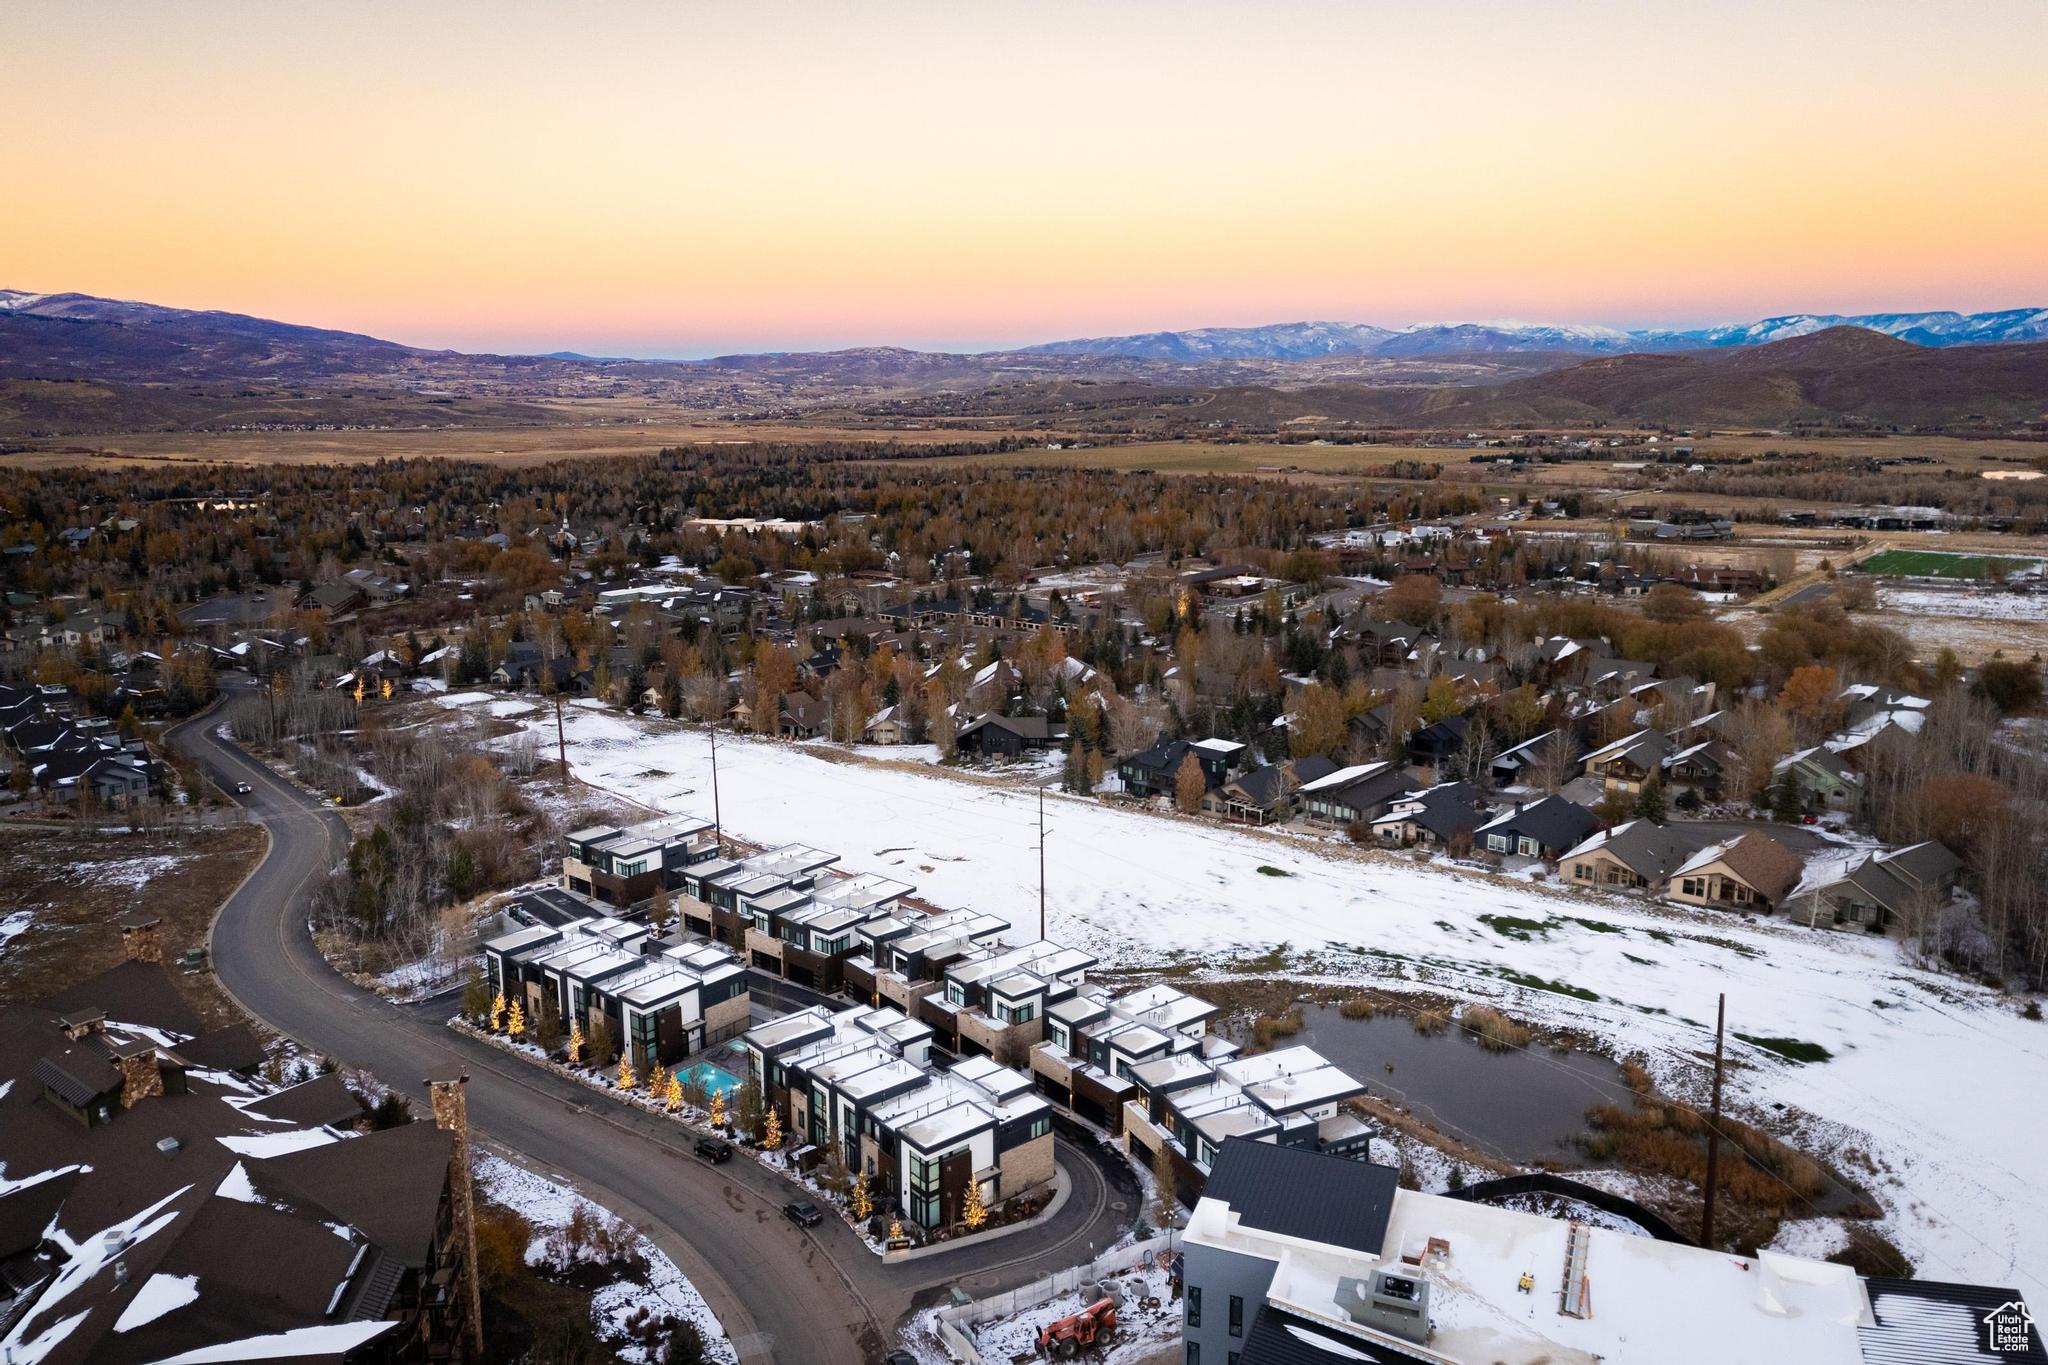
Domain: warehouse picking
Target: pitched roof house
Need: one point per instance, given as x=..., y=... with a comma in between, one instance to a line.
x=1544, y=829
x=1636, y=854
x=1750, y=872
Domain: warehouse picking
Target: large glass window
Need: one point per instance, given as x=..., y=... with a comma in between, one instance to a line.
x=924, y=1190
x=1237, y=1315
x=1194, y=1305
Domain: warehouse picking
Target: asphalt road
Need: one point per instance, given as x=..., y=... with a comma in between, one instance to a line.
x=782, y=1294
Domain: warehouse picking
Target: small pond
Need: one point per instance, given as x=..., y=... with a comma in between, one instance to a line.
x=1523, y=1105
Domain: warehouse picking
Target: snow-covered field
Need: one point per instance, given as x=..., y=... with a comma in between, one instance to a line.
x=1974, y=606
x=662, y=1289
x=1937, y=1081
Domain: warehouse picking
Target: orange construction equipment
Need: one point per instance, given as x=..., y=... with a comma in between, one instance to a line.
x=1067, y=1337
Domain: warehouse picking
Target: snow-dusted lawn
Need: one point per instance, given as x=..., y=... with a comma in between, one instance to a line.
x=1944, y=1086
x=663, y=1289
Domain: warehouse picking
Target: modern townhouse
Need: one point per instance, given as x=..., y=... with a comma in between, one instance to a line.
x=859, y=1086
x=902, y=957
x=625, y=865
x=1146, y=1067
x=662, y=999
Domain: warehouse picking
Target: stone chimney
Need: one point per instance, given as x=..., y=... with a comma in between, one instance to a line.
x=141, y=1074
x=142, y=936
x=80, y=1023
x=451, y=1116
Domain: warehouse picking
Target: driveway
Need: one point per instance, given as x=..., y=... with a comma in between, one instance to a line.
x=781, y=1293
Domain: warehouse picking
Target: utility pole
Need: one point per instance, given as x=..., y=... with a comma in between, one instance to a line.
x=1041, y=861
x=717, y=822
x=561, y=747
x=1714, y=1129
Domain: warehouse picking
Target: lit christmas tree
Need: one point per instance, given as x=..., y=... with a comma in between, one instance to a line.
x=626, y=1076
x=515, y=1021
x=859, y=1200
x=771, y=1136
x=575, y=1043
x=895, y=1229
x=976, y=1212
x=718, y=1108
x=674, y=1097
x=498, y=1010
x=657, y=1081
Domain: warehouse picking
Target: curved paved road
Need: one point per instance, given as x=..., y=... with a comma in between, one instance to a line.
x=782, y=1294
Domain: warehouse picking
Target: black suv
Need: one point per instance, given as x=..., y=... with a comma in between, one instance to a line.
x=803, y=1213
x=714, y=1149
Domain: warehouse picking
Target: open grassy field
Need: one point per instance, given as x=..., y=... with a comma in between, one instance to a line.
x=1897, y=563
x=1217, y=457
x=583, y=432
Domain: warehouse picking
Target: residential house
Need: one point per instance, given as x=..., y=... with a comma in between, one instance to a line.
x=1267, y=793
x=997, y=736
x=1630, y=762
x=858, y=1085
x=1636, y=855
x=887, y=726
x=1877, y=891
x=662, y=999
x=1434, y=746
x=1441, y=817
x=623, y=866
x=1353, y=795
x=1750, y=872
x=1823, y=780
x=1541, y=829
x=1156, y=771
x=1698, y=766
x=1552, y=753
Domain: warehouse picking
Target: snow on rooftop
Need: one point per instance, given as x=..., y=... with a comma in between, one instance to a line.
x=160, y=1294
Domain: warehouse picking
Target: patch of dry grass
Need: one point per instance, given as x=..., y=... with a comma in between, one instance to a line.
x=1494, y=1030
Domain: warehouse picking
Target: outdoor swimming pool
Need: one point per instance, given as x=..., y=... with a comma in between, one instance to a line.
x=713, y=1078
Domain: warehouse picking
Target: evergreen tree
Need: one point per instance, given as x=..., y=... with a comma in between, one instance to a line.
x=672, y=1098
x=515, y=1020
x=575, y=1043
x=1650, y=801
x=497, y=1020
x=626, y=1076
x=771, y=1133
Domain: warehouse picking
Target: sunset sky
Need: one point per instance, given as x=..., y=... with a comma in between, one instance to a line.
x=686, y=178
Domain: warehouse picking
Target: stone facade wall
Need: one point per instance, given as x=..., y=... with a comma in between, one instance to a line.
x=1025, y=1167
x=727, y=1013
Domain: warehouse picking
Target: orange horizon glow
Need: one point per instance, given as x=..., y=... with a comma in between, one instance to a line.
x=688, y=179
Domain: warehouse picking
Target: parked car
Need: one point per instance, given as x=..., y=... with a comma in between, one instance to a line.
x=803, y=1213
x=714, y=1150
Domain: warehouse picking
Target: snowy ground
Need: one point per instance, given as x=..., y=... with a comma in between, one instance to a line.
x=1142, y=1334
x=1939, y=1083
x=1975, y=606
x=16, y=923
x=662, y=1288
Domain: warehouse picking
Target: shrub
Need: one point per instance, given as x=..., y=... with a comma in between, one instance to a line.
x=1495, y=1031
x=1357, y=1007
x=1268, y=1028
x=1431, y=1022
x=393, y=1111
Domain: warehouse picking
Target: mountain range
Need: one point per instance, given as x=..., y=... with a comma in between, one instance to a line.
x=76, y=364
x=1307, y=340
